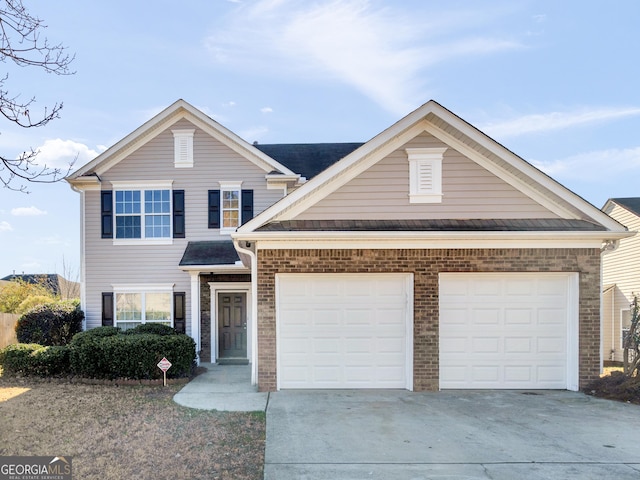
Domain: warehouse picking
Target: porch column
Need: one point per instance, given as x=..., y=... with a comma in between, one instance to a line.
x=195, y=311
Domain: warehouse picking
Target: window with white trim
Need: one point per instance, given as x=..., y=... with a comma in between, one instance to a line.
x=625, y=325
x=135, y=305
x=230, y=205
x=143, y=212
x=425, y=174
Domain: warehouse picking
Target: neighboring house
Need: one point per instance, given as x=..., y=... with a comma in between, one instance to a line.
x=56, y=284
x=429, y=257
x=620, y=277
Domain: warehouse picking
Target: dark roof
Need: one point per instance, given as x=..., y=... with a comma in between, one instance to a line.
x=632, y=204
x=209, y=253
x=308, y=159
x=48, y=280
x=484, y=225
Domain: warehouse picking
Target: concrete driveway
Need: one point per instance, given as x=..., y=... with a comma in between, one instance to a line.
x=497, y=435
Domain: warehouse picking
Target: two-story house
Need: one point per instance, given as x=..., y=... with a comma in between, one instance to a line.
x=620, y=278
x=428, y=257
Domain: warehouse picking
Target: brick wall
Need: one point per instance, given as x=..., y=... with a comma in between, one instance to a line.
x=206, y=321
x=426, y=265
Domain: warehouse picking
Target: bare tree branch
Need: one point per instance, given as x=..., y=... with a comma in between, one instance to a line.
x=21, y=43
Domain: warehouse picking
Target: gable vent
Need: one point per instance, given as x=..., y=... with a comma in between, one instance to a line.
x=425, y=177
x=425, y=174
x=183, y=148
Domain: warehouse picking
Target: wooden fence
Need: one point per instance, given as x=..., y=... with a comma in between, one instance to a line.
x=8, y=329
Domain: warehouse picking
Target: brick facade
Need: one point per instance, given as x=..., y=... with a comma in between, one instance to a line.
x=205, y=308
x=425, y=266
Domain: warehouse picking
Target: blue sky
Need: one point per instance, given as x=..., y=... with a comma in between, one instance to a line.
x=555, y=82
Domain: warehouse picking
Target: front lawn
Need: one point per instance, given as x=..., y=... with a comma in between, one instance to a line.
x=116, y=432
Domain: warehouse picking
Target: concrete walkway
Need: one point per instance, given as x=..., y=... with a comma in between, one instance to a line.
x=226, y=388
x=499, y=435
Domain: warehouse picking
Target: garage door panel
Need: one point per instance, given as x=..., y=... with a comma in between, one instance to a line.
x=357, y=332
x=518, y=345
x=485, y=316
x=511, y=331
x=518, y=316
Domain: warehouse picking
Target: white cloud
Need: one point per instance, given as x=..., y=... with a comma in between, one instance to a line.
x=254, y=134
x=382, y=52
x=543, y=122
x=58, y=153
x=5, y=227
x=595, y=166
x=27, y=212
x=266, y=110
x=52, y=240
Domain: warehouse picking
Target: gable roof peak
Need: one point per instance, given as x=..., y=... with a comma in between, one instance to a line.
x=150, y=129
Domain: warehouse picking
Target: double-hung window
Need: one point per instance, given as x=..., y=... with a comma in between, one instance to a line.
x=138, y=304
x=143, y=211
x=230, y=195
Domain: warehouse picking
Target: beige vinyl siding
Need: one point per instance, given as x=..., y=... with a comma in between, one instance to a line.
x=213, y=162
x=108, y=264
x=469, y=191
x=622, y=268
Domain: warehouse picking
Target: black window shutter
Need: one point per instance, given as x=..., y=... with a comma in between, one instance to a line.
x=106, y=208
x=214, y=208
x=178, y=214
x=107, y=309
x=247, y=206
x=179, y=312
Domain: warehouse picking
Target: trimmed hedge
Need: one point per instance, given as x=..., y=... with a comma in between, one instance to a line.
x=155, y=328
x=34, y=359
x=130, y=355
x=50, y=324
x=105, y=353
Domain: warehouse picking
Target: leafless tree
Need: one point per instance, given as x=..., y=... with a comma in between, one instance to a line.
x=631, y=341
x=21, y=44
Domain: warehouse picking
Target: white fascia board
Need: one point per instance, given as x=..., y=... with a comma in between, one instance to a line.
x=334, y=177
x=89, y=182
x=131, y=142
x=215, y=268
x=235, y=143
x=523, y=166
x=165, y=119
x=393, y=240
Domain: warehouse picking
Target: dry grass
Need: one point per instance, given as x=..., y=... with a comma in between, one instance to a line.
x=116, y=432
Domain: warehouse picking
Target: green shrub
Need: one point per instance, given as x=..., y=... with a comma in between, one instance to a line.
x=50, y=324
x=155, y=328
x=133, y=356
x=51, y=361
x=34, y=359
x=16, y=358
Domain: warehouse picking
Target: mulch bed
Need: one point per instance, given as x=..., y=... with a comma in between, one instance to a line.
x=616, y=386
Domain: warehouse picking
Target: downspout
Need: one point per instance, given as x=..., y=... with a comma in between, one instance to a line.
x=83, y=290
x=249, y=248
x=608, y=247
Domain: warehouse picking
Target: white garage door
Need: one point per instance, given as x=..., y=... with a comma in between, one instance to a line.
x=508, y=331
x=344, y=331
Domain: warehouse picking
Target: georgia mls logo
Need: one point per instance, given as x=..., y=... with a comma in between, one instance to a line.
x=35, y=468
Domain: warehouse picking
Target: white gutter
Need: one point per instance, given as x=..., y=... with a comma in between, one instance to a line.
x=249, y=249
x=608, y=247
x=602, y=236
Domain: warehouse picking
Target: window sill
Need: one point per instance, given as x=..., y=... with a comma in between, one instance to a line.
x=143, y=241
